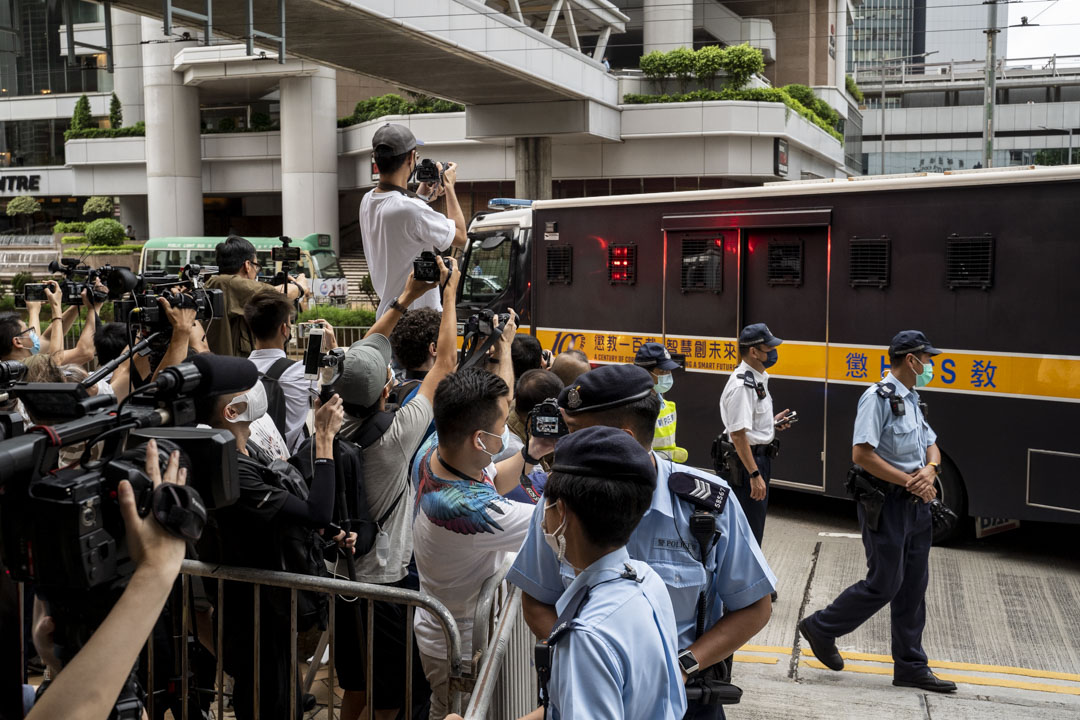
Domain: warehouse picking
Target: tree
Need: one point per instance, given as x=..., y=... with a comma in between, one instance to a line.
x=708, y=61
x=654, y=66
x=742, y=62
x=81, y=119
x=681, y=64
x=24, y=205
x=801, y=93
x=98, y=205
x=105, y=231
x=116, y=113
x=853, y=88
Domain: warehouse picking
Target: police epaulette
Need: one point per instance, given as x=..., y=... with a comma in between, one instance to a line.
x=884, y=390
x=699, y=491
x=887, y=392
x=748, y=380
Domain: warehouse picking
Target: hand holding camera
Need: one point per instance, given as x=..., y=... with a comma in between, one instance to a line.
x=150, y=545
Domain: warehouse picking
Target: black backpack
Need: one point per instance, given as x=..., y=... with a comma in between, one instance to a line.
x=275, y=396
x=349, y=464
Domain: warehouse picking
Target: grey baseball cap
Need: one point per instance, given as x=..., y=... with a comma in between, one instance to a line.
x=393, y=139
x=363, y=371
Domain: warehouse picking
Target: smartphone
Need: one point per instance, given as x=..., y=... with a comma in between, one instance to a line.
x=313, y=353
x=790, y=419
x=34, y=292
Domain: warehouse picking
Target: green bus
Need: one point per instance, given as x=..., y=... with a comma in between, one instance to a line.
x=317, y=259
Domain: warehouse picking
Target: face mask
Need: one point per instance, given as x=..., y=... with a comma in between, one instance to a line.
x=664, y=383
x=36, y=343
x=256, y=404
x=504, y=441
x=770, y=359
x=923, y=378
x=556, y=540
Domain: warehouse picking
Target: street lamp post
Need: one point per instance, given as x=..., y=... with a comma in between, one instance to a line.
x=990, y=86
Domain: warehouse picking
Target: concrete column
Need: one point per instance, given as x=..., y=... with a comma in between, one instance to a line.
x=127, y=64
x=173, y=143
x=668, y=24
x=532, y=168
x=309, y=179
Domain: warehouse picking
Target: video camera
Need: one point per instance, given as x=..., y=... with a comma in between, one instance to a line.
x=427, y=171
x=426, y=268
x=77, y=278
x=545, y=420
x=480, y=333
x=141, y=307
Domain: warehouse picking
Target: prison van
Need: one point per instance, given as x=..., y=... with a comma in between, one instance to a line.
x=984, y=262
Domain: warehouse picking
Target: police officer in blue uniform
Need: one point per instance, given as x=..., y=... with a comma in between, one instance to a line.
x=693, y=535
x=896, y=463
x=613, y=651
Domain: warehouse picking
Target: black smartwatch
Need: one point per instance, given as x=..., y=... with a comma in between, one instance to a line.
x=688, y=662
x=756, y=473
x=395, y=305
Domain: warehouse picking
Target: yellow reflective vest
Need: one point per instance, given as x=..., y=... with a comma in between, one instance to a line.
x=664, y=437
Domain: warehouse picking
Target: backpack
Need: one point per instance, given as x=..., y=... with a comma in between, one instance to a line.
x=402, y=393
x=275, y=396
x=355, y=516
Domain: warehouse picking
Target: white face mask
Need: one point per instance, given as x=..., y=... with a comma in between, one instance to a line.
x=556, y=540
x=504, y=441
x=256, y=404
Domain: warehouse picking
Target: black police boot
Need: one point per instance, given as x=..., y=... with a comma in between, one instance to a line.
x=929, y=681
x=824, y=648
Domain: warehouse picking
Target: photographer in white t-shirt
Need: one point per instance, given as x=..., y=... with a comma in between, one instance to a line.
x=397, y=225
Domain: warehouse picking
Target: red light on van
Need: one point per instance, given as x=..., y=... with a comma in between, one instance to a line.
x=622, y=264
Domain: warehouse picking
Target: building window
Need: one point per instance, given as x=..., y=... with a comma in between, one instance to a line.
x=28, y=143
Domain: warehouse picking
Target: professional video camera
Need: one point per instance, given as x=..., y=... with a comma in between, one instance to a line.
x=480, y=332
x=545, y=420
x=426, y=268
x=427, y=171
x=77, y=278
x=142, y=308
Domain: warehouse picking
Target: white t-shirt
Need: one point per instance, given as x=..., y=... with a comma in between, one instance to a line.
x=742, y=409
x=296, y=389
x=461, y=535
x=395, y=229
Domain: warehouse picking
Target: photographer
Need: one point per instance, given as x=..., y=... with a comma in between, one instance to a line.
x=397, y=225
x=270, y=318
x=88, y=686
x=19, y=340
x=388, y=441
x=533, y=388
x=273, y=526
x=237, y=278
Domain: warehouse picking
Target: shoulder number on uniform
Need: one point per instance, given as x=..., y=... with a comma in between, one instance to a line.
x=698, y=491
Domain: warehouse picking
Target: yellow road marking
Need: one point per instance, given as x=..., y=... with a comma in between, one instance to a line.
x=767, y=648
x=972, y=667
x=966, y=679
x=744, y=658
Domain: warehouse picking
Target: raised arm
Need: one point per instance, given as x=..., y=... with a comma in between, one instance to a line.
x=446, y=347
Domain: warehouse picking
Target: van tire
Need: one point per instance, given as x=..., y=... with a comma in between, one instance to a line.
x=950, y=487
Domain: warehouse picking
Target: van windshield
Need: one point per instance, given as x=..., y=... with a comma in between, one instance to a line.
x=487, y=270
x=170, y=261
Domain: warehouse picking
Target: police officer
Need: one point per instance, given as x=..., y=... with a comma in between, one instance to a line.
x=746, y=408
x=730, y=581
x=655, y=358
x=896, y=450
x=614, y=651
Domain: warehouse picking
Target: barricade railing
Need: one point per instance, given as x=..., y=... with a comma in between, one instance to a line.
x=505, y=679
x=296, y=583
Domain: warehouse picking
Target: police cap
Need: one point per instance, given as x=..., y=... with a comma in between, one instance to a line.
x=606, y=452
x=911, y=341
x=654, y=355
x=606, y=387
x=758, y=334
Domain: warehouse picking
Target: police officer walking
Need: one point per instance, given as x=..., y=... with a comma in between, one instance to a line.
x=896, y=462
x=655, y=358
x=746, y=408
x=693, y=535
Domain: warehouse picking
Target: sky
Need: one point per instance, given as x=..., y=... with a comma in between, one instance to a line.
x=1058, y=31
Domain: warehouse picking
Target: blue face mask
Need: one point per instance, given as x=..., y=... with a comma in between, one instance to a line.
x=36, y=341
x=770, y=360
x=664, y=383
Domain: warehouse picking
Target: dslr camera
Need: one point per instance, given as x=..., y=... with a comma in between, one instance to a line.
x=427, y=171
x=141, y=307
x=545, y=420
x=76, y=279
x=425, y=267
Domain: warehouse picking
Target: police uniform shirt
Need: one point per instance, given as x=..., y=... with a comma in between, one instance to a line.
x=735, y=573
x=742, y=409
x=900, y=440
x=619, y=659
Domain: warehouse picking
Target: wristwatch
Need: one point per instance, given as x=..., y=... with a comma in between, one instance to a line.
x=936, y=466
x=756, y=473
x=395, y=305
x=688, y=662
x=529, y=459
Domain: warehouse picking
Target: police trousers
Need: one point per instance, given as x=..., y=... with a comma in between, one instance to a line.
x=897, y=557
x=755, y=509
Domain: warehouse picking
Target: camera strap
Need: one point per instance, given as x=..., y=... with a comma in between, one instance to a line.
x=387, y=187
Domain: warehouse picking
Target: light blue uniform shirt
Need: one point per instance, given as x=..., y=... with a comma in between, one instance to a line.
x=619, y=659
x=900, y=440
x=735, y=573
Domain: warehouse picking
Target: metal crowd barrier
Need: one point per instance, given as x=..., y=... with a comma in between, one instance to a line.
x=295, y=583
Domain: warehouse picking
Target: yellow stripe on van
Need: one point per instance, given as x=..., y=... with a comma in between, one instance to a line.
x=1035, y=376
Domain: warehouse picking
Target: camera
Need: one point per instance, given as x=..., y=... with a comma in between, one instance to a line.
x=34, y=292
x=71, y=287
x=330, y=367
x=427, y=171
x=480, y=333
x=286, y=253
x=141, y=306
x=545, y=420
x=425, y=267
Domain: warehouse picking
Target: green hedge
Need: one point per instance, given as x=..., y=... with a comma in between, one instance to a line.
x=96, y=133
x=66, y=227
x=130, y=249
x=853, y=88
x=751, y=94
x=73, y=239
x=738, y=62
x=393, y=104
x=339, y=316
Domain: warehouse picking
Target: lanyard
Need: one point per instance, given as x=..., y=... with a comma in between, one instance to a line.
x=457, y=472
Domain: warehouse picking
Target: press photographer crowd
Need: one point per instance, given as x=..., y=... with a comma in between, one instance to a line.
x=402, y=462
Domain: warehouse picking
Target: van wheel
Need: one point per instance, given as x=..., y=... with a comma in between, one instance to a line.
x=951, y=492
